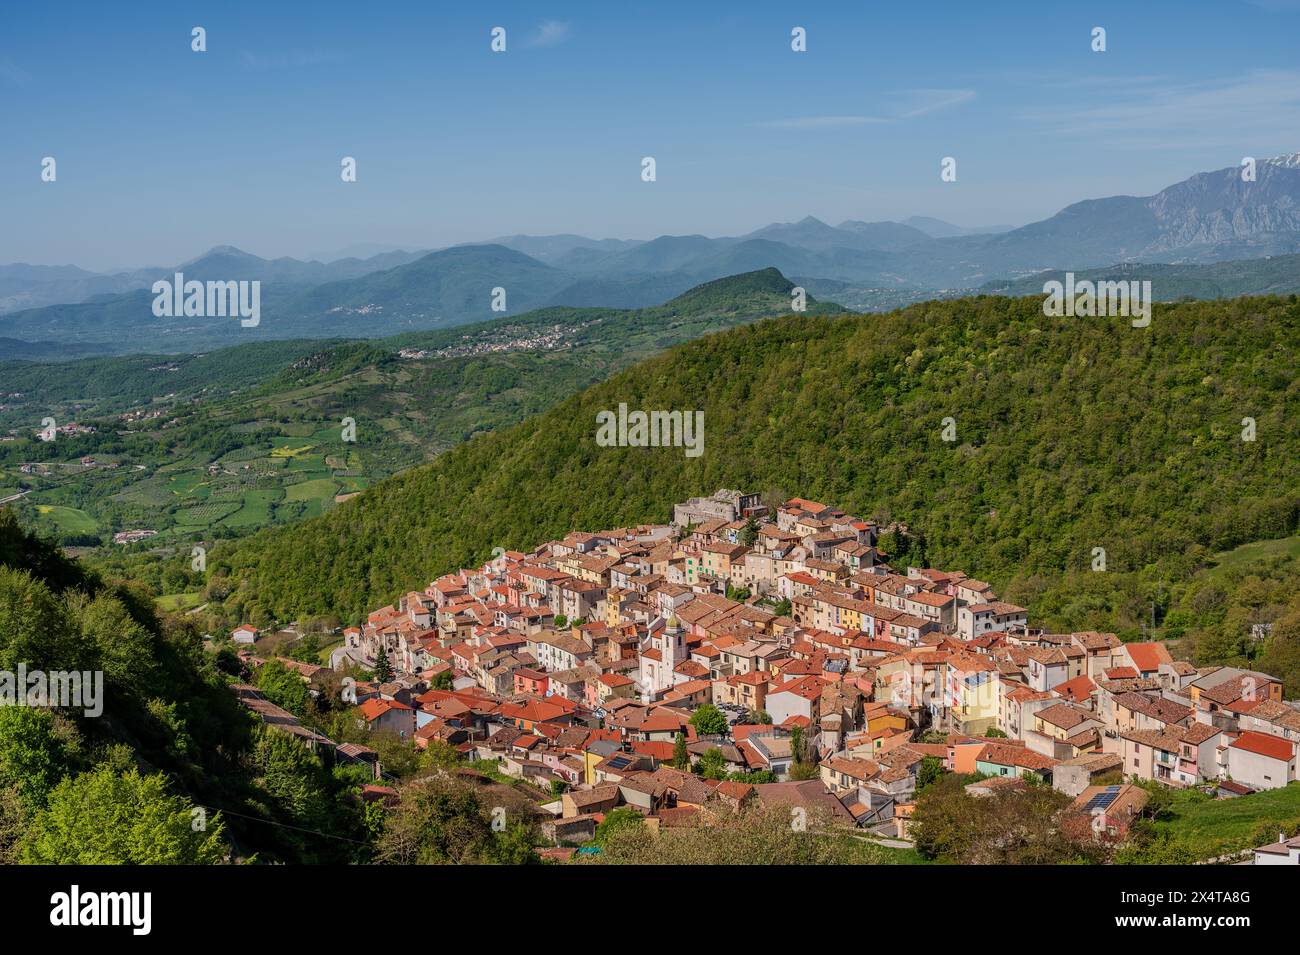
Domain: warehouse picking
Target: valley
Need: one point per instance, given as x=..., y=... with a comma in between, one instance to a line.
x=215, y=445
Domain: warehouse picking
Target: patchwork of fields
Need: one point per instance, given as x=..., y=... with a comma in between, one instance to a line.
x=288, y=477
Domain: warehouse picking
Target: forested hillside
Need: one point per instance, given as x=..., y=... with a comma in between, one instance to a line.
x=85, y=787
x=167, y=768
x=1071, y=434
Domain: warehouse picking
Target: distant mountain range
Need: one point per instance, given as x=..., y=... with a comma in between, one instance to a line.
x=938, y=229
x=1210, y=218
x=30, y=286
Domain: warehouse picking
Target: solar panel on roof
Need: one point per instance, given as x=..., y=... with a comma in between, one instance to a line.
x=1102, y=800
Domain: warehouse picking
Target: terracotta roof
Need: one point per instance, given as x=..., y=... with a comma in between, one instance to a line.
x=1148, y=656
x=1095, y=762
x=1064, y=715
x=1198, y=733
x=376, y=707
x=1167, y=740
x=1157, y=708
x=1277, y=713
x=1076, y=690
x=1002, y=754
x=1265, y=745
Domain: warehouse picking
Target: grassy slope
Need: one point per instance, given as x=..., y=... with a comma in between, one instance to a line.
x=1213, y=827
x=1249, y=554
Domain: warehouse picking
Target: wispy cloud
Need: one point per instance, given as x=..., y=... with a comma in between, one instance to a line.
x=11, y=72
x=899, y=105
x=912, y=103
x=1239, y=111
x=550, y=33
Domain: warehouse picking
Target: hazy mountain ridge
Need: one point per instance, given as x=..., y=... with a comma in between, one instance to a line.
x=1208, y=218
x=25, y=286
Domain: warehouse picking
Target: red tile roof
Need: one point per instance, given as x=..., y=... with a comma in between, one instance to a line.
x=1076, y=690
x=1002, y=754
x=1148, y=656
x=1265, y=745
x=376, y=707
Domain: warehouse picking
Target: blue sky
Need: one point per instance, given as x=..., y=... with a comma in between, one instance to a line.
x=163, y=152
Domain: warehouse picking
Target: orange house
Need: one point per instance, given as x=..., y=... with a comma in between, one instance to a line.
x=531, y=682
x=962, y=752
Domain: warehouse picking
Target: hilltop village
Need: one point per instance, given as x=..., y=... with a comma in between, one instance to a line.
x=742, y=652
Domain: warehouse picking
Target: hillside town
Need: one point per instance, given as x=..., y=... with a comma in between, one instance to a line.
x=827, y=678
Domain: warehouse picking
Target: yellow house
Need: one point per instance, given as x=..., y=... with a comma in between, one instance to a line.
x=716, y=559
x=613, y=607
x=973, y=688
x=595, y=754
x=850, y=612
x=878, y=717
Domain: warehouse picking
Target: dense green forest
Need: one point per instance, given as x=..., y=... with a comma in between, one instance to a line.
x=65, y=775
x=1071, y=435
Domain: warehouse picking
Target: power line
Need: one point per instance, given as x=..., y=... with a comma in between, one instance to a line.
x=284, y=825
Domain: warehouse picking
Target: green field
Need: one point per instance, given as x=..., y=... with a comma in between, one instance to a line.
x=70, y=520
x=311, y=490
x=349, y=484
x=176, y=602
x=1213, y=827
x=327, y=649
x=257, y=508
x=201, y=515
x=189, y=484
x=1246, y=554
x=242, y=454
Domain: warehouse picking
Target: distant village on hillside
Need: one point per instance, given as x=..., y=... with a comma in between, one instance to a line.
x=781, y=647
